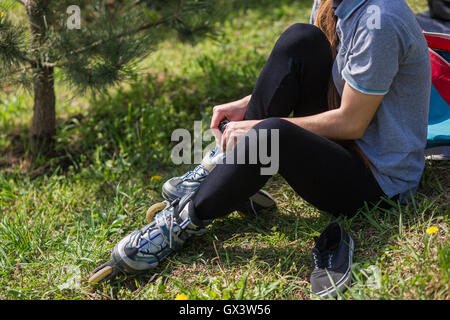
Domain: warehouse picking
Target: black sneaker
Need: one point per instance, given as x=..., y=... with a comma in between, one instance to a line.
x=258, y=202
x=332, y=258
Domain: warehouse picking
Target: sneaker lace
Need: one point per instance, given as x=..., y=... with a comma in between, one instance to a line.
x=322, y=259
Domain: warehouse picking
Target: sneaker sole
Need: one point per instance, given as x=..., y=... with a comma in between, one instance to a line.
x=344, y=281
x=263, y=199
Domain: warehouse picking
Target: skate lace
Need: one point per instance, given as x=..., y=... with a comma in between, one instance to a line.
x=196, y=174
x=170, y=221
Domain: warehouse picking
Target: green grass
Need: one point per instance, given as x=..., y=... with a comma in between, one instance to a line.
x=61, y=215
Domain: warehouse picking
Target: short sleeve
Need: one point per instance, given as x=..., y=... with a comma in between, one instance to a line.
x=374, y=57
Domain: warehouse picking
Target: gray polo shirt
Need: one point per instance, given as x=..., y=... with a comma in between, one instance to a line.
x=382, y=51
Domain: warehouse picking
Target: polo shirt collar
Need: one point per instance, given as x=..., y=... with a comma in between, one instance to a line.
x=336, y=3
x=344, y=8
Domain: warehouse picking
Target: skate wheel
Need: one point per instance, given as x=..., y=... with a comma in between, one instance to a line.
x=101, y=274
x=154, y=209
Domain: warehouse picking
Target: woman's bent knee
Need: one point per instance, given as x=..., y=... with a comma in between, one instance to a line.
x=271, y=123
x=301, y=36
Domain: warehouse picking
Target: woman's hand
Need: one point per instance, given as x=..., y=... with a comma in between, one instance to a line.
x=233, y=131
x=233, y=111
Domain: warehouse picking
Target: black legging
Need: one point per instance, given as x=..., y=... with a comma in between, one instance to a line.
x=329, y=176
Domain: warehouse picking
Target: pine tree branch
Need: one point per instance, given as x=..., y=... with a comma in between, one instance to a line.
x=123, y=34
x=22, y=69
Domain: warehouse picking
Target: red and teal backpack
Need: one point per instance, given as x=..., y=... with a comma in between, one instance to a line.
x=439, y=115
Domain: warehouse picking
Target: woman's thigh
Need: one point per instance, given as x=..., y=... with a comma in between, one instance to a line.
x=321, y=171
x=295, y=77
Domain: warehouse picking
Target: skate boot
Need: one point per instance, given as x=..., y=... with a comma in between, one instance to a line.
x=177, y=187
x=170, y=225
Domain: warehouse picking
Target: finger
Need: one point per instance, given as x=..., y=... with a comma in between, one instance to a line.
x=234, y=138
x=231, y=143
x=227, y=135
x=216, y=118
x=215, y=121
x=217, y=135
x=223, y=141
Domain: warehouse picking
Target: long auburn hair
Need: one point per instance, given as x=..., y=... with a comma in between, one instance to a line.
x=326, y=21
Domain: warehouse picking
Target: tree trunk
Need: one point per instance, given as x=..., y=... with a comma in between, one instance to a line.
x=43, y=124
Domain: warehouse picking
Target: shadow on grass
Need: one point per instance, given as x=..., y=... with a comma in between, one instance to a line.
x=137, y=120
x=276, y=240
x=134, y=126
x=233, y=244
x=136, y=123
